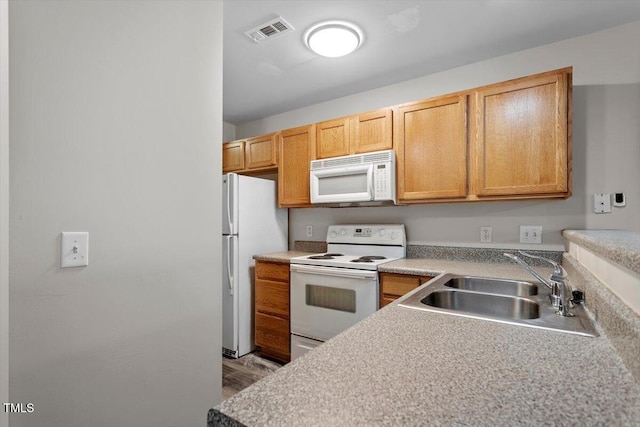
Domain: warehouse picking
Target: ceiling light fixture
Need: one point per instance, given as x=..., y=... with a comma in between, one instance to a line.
x=333, y=38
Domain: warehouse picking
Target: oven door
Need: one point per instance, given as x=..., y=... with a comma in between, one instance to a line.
x=325, y=300
x=344, y=184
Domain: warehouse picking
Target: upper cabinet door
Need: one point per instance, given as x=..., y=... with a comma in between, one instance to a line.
x=232, y=156
x=332, y=138
x=520, y=136
x=260, y=152
x=297, y=149
x=372, y=131
x=431, y=143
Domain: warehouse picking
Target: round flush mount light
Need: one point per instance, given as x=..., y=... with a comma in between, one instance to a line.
x=333, y=38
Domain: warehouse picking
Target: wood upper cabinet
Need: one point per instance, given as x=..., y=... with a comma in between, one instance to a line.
x=332, y=138
x=361, y=133
x=520, y=136
x=296, y=150
x=431, y=143
x=255, y=154
x=232, y=156
x=272, y=321
x=393, y=286
x=260, y=152
x=372, y=131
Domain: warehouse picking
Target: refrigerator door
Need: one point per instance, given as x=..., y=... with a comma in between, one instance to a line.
x=230, y=203
x=230, y=296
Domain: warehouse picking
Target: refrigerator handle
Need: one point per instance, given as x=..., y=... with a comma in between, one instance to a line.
x=229, y=264
x=229, y=218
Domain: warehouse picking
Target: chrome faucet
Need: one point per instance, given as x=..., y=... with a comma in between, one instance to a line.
x=560, y=290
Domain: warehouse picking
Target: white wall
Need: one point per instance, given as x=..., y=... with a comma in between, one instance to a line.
x=606, y=133
x=4, y=209
x=113, y=109
x=228, y=132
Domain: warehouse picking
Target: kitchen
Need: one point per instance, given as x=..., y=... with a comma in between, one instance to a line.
x=605, y=103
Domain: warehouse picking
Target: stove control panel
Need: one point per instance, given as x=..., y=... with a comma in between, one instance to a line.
x=387, y=234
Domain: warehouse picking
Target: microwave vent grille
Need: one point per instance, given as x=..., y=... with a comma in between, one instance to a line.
x=380, y=156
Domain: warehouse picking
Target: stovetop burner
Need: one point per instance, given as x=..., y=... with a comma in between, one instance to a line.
x=324, y=256
x=368, y=258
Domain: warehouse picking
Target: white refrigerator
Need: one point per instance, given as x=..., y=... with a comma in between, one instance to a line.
x=252, y=224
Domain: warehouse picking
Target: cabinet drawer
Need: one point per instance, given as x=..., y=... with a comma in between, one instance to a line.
x=273, y=333
x=272, y=271
x=272, y=297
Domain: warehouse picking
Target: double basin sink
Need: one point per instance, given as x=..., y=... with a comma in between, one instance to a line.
x=507, y=301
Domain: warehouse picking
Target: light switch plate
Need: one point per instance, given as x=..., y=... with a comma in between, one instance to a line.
x=530, y=234
x=74, y=249
x=602, y=203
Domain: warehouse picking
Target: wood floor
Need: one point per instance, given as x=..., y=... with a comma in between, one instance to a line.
x=238, y=374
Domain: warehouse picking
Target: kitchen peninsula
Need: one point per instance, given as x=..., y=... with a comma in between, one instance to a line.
x=408, y=367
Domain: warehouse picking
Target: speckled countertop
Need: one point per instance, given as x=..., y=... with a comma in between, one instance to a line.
x=408, y=367
x=280, y=257
x=620, y=246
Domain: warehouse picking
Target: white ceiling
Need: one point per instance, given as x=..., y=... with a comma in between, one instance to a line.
x=403, y=40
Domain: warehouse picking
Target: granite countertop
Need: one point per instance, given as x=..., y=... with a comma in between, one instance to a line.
x=280, y=257
x=620, y=246
x=407, y=367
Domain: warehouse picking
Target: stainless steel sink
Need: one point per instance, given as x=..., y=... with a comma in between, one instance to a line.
x=506, y=301
x=493, y=286
x=483, y=304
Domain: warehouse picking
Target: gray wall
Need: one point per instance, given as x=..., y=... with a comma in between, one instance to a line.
x=228, y=132
x=4, y=209
x=114, y=110
x=606, y=156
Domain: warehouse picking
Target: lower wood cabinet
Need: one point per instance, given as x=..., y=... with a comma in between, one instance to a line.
x=393, y=286
x=272, y=326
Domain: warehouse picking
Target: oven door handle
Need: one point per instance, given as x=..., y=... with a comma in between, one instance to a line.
x=336, y=272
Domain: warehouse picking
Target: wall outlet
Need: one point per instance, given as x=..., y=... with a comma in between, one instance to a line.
x=486, y=234
x=530, y=234
x=309, y=230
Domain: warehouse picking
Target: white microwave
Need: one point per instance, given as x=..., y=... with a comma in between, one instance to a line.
x=361, y=178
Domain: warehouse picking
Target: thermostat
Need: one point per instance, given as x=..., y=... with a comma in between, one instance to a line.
x=619, y=200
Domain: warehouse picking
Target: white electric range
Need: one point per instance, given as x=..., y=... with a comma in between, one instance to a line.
x=334, y=290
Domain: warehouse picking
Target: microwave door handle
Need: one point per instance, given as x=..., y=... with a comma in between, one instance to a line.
x=344, y=170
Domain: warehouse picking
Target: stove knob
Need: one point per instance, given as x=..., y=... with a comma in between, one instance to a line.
x=382, y=232
x=394, y=235
x=343, y=231
x=334, y=234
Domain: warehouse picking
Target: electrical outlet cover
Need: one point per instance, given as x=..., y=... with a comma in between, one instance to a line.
x=486, y=234
x=602, y=203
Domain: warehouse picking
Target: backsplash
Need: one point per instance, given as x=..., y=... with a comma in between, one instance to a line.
x=309, y=246
x=618, y=321
x=478, y=254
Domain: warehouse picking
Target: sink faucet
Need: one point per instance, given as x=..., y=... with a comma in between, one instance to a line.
x=560, y=290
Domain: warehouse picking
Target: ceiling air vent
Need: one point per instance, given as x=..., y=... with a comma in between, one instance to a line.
x=269, y=30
